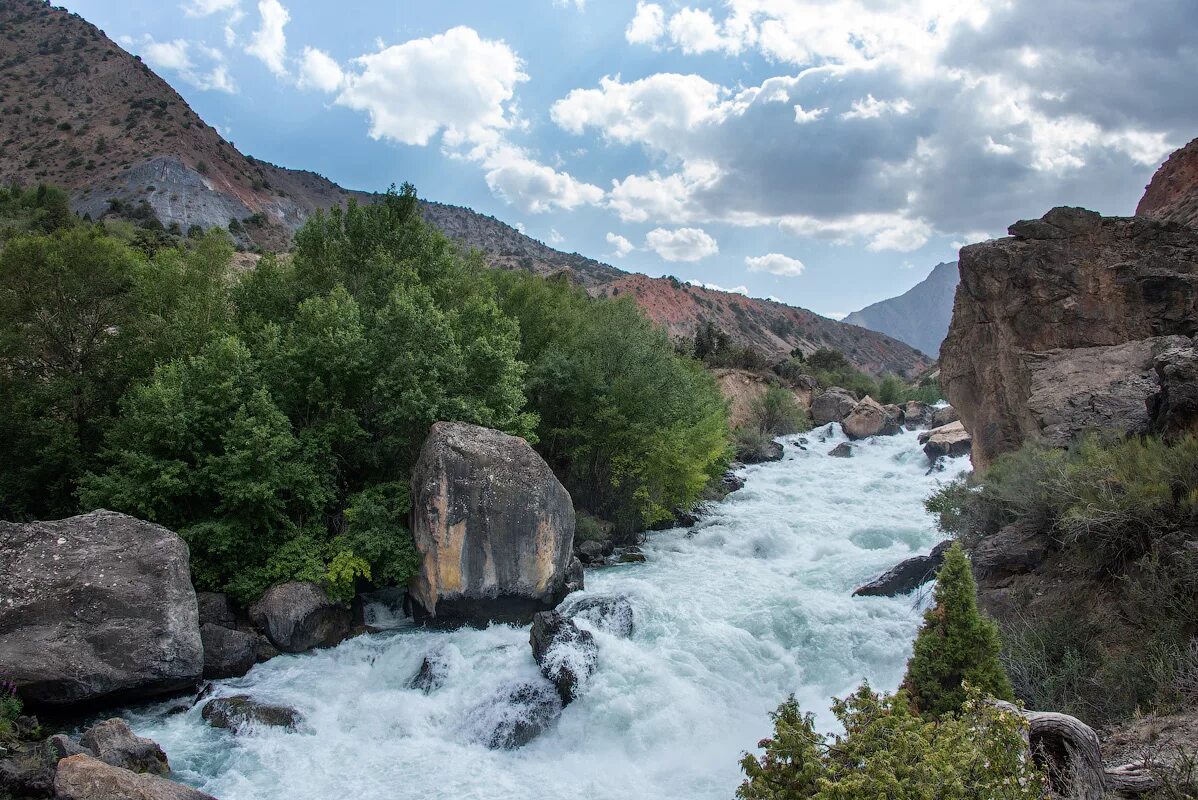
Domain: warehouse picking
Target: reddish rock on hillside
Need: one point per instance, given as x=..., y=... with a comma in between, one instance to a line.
x=1173, y=192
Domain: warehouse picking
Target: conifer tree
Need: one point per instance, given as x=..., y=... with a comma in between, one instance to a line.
x=957, y=645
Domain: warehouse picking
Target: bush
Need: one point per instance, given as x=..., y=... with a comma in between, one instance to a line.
x=957, y=647
x=10, y=708
x=751, y=444
x=887, y=752
x=777, y=413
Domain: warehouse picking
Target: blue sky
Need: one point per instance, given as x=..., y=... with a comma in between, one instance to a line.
x=824, y=152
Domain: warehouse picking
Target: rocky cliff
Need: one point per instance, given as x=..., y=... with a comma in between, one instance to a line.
x=1173, y=192
x=1074, y=321
x=919, y=316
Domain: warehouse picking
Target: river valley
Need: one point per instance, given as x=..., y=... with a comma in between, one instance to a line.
x=730, y=616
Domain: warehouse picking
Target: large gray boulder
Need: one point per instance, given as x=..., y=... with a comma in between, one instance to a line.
x=494, y=527
x=871, y=418
x=96, y=609
x=942, y=416
x=832, y=406
x=240, y=713
x=1174, y=408
x=114, y=743
x=906, y=576
x=81, y=777
x=228, y=653
x=299, y=616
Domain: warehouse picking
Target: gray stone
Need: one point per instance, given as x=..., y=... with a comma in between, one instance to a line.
x=567, y=654
x=299, y=616
x=82, y=777
x=493, y=525
x=832, y=406
x=228, y=653
x=1174, y=409
x=216, y=608
x=26, y=770
x=609, y=613
x=240, y=713
x=842, y=450
x=943, y=416
x=434, y=670
x=98, y=609
x=870, y=418
x=1016, y=548
x=591, y=552
x=906, y=576
x=114, y=743
x=516, y=716
x=62, y=746
x=916, y=414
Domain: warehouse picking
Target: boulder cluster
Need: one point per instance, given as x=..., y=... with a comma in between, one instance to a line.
x=944, y=436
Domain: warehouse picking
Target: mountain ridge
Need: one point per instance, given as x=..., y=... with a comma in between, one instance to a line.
x=80, y=112
x=920, y=315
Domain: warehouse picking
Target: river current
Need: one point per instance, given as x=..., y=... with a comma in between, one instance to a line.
x=731, y=616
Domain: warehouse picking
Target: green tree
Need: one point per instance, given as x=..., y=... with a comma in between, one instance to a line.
x=957, y=645
x=777, y=413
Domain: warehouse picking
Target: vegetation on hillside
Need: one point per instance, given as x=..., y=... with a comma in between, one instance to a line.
x=831, y=368
x=1119, y=636
x=273, y=417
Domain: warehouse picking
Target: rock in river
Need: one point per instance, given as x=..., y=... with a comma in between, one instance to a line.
x=228, y=653
x=515, y=716
x=952, y=440
x=870, y=418
x=82, y=777
x=494, y=527
x=114, y=743
x=241, y=712
x=906, y=576
x=567, y=654
x=832, y=406
x=299, y=616
x=98, y=609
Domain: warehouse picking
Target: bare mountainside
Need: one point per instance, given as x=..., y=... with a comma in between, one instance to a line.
x=1173, y=191
x=920, y=315
x=78, y=111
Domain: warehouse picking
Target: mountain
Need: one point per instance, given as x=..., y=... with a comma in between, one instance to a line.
x=1173, y=191
x=78, y=111
x=919, y=316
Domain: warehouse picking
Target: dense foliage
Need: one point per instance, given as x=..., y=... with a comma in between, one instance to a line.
x=831, y=368
x=1118, y=515
x=956, y=647
x=273, y=416
x=889, y=752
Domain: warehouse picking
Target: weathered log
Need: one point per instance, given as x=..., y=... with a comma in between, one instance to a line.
x=1072, y=754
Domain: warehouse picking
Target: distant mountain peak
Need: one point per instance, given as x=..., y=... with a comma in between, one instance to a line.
x=920, y=316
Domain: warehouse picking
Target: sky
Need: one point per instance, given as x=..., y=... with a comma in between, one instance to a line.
x=827, y=153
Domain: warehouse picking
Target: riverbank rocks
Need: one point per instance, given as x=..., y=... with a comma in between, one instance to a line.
x=566, y=654
x=299, y=616
x=950, y=441
x=832, y=406
x=1174, y=409
x=240, y=713
x=493, y=525
x=115, y=744
x=515, y=716
x=98, y=609
x=81, y=777
x=906, y=576
x=1016, y=548
x=228, y=653
x=945, y=415
x=870, y=418
x=916, y=414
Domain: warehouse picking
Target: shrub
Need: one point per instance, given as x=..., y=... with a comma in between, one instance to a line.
x=887, y=752
x=751, y=444
x=957, y=645
x=777, y=413
x=10, y=707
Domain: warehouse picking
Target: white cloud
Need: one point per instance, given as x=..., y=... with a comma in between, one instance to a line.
x=581, y=5
x=695, y=31
x=648, y=25
x=319, y=71
x=177, y=56
x=269, y=42
x=620, y=245
x=870, y=108
x=168, y=55
x=717, y=288
x=775, y=264
x=555, y=238
x=531, y=186
x=217, y=79
x=204, y=8
x=638, y=198
x=837, y=315
x=808, y=115
x=681, y=244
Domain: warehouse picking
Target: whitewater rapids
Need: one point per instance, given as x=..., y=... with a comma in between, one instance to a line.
x=731, y=616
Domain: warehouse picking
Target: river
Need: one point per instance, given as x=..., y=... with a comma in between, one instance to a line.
x=731, y=616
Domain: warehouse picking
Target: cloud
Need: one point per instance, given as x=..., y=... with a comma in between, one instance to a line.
x=620, y=246
x=647, y=25
x=168, y=55
x=204, y=8
x=836, y=315
x=269, y=42
x=870, y=108
x=319, y=71
x=580, y=5
x=531, y=186
x=555, y=238
x=681, y=244
x=177, y=56
x=775, y=264
x=717, y=288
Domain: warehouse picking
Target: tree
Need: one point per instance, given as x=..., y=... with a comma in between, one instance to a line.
x=777, y=413
x=957, y=645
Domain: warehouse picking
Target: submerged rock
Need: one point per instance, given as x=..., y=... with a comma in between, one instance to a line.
x=832, y=406
x=434, y=669
x=81, y=777
x=592, y=552
x=494, y=527
x=114, y=743
x=515, y=716
x=98, y=609
x=906, y=576
x=299, y=616
x=567, y=655
x=228, y=653
x=842, y=450
x=611, y=613
x=240, y=713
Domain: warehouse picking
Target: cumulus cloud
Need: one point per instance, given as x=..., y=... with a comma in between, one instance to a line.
x=717, y=288
x=647, y=25
x=620, y=245
x=168, y=55
x=319, y=71
x=269, y=42
x=532, y=186
x=775, y=264
x=204, y=8
x=179, y=56
x=681, y=244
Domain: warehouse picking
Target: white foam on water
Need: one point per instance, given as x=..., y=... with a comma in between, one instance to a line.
x=730, y=617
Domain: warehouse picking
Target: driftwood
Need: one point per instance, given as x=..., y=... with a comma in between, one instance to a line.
x=1070, y=750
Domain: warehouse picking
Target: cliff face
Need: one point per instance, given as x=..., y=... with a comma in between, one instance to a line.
x=1173, y=192
x=920, y=316
x=1071, y=323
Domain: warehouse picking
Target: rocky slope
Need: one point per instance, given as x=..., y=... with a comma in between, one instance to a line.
x=1173, y=192
x=919, y=316
x=78, y=111
x=1075, y=321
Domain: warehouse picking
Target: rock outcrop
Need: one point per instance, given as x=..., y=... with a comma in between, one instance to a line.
x=566, y=654
x=228, y=653
x=494, y=527
x=299, y=616
x=82, y=777
x=951, y=440
x=870, y=418
x=115, y=744
x=97, y=609
x=1057, y=328
x=832, y=405
x=1173, y=191
x=906, y=576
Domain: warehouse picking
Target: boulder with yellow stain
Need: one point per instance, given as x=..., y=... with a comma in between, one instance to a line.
x=494, y=527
